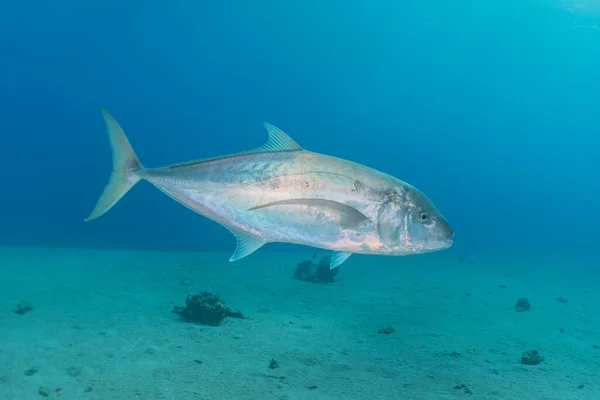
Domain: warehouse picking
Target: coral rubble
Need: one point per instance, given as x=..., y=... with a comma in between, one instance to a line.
x=308, y=271
x=206, y=308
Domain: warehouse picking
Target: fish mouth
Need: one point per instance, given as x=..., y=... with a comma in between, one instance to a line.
x=444, y=244
x=448, y=242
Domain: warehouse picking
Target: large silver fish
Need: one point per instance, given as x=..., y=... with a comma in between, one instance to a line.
x=280, y=192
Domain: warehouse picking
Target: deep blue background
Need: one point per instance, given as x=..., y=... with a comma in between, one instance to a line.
x=492, y=110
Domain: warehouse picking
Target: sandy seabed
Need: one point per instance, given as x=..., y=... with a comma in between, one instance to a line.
x=102, y=327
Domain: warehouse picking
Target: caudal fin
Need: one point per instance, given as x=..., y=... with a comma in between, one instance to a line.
x=125, y=168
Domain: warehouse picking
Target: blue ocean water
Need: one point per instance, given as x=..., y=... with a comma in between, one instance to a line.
x=491, y=108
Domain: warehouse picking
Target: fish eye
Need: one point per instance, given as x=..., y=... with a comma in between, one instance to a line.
x=424, y=217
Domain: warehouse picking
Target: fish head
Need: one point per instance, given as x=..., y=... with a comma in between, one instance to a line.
x=409, y=223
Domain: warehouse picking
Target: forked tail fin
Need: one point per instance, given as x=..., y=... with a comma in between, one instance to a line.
x=125, y=168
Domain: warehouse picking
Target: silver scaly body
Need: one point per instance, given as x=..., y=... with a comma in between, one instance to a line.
x=283, y=193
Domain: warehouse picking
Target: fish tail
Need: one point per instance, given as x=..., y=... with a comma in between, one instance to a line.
x=125, y=171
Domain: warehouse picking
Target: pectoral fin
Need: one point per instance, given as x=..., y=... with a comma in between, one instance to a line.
x=246, y=244
x=337, y=258
x=348, y=217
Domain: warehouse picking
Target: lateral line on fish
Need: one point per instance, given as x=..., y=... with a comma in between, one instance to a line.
x=318, y=172
x=224, y=157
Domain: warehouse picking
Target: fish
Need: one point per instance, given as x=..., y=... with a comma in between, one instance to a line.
x=282, y=193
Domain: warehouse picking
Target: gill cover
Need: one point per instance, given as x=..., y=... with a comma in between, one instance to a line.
x=390, y=223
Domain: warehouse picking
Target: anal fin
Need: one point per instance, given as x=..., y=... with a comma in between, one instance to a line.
x=337, y=258
x=246, y=244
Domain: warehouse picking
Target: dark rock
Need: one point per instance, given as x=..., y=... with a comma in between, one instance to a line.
x=562, y=330
x=453, y=354
x=273, y=364
x=464, y=388
x=206, y=308
x=31, y=371
x=562, y=300
x=531, y=358
x=23, y=307
x=580, y=386
x=386, y=331
x=308, y=271
x=74, y=372
x=522, y=305
x=596, y=346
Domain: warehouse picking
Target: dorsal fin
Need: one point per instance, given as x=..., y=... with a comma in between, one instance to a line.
x=278, y=140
